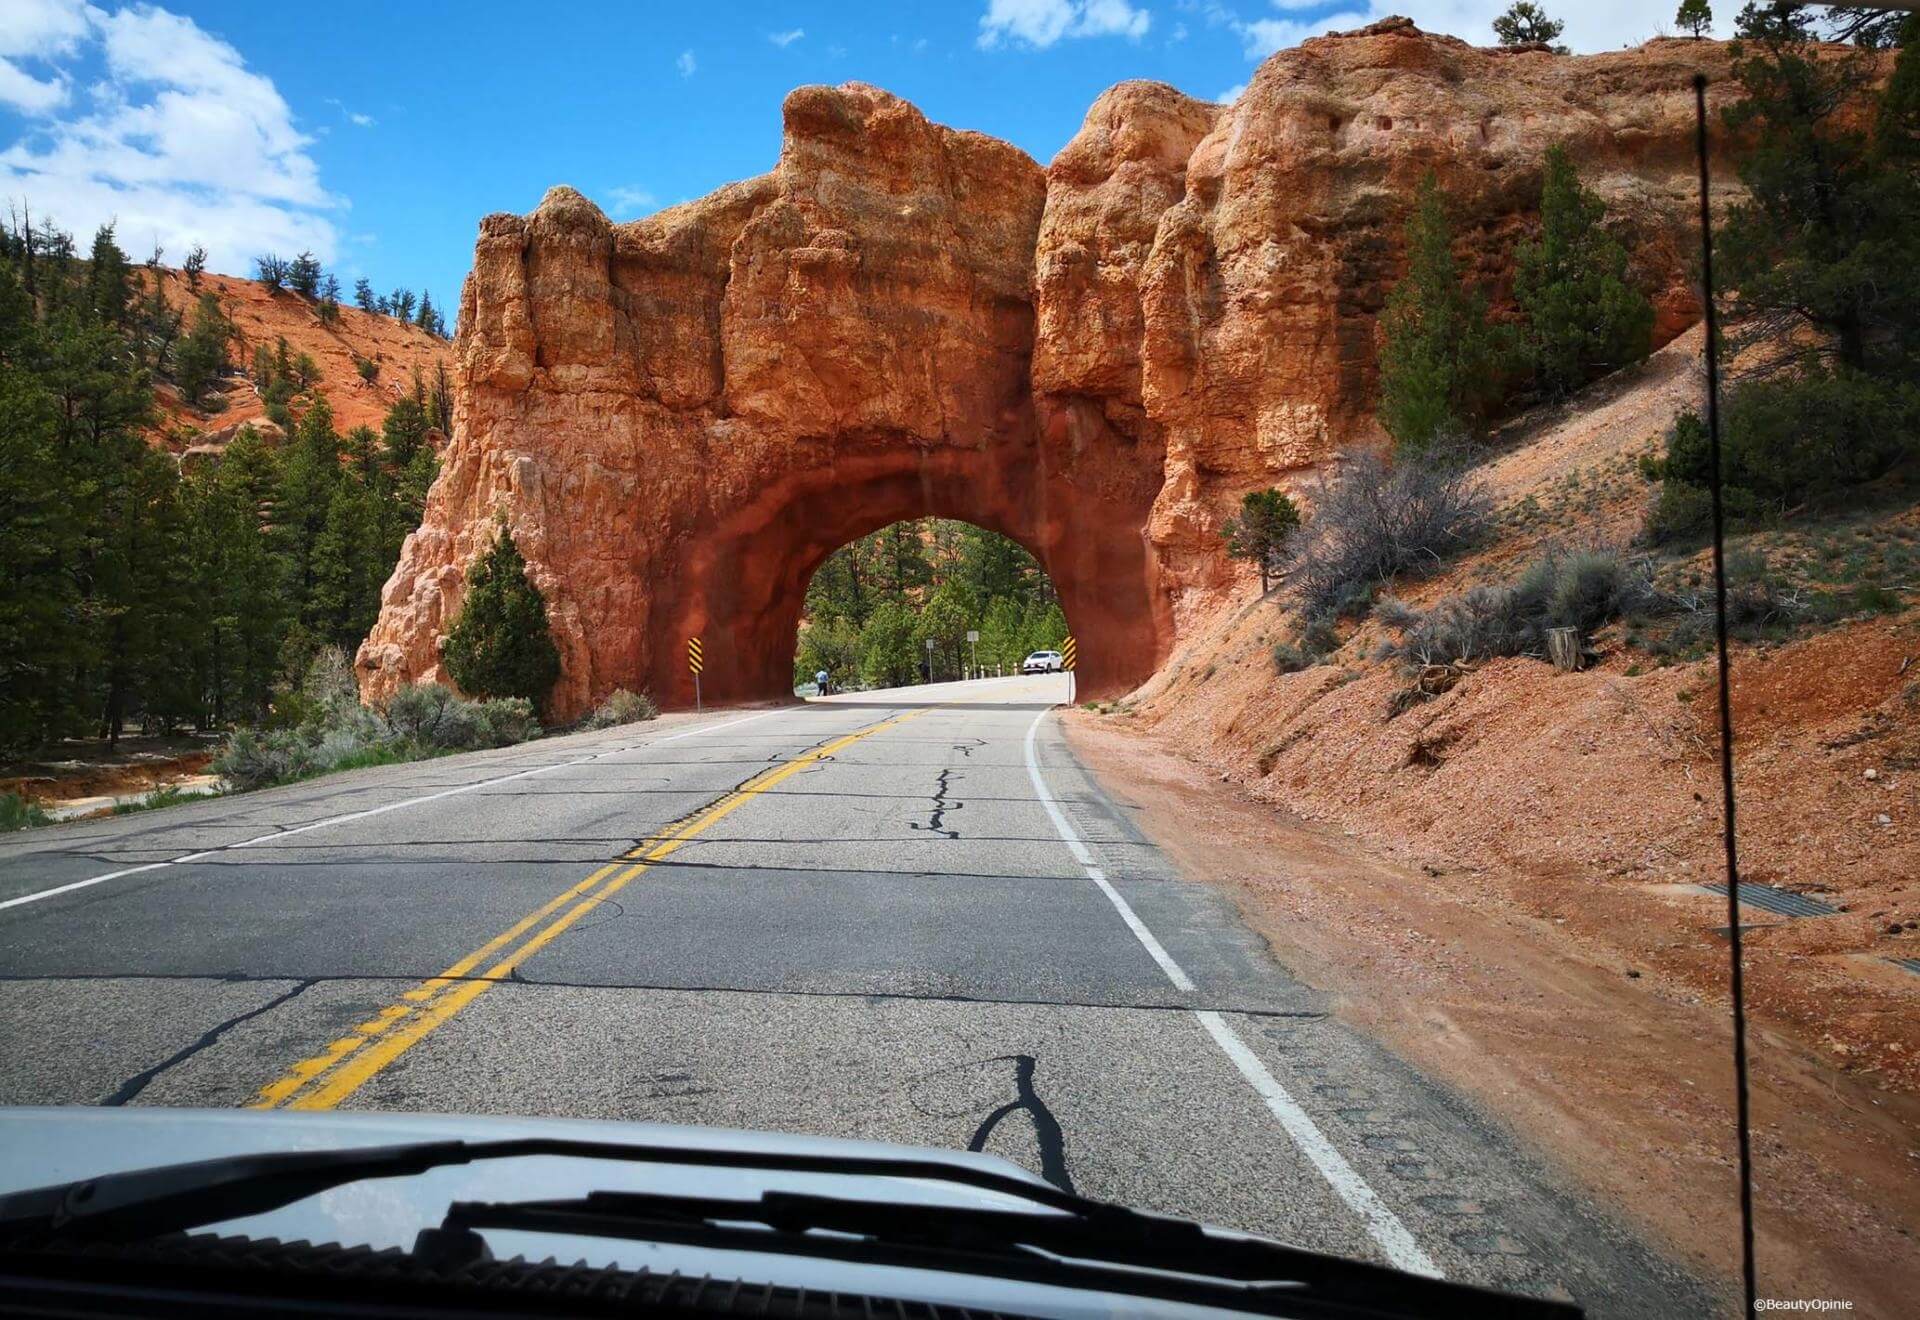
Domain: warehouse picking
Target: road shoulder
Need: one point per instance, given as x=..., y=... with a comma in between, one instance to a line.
x=1621, y=1082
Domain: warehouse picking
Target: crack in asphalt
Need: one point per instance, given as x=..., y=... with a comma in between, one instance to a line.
x=130, y=1089
x=936, y=822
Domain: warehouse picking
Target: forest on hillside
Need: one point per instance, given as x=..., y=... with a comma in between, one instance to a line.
x=133, y=591
x=876, y=602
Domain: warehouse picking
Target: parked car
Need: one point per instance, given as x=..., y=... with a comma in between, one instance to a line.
x=1041, y=662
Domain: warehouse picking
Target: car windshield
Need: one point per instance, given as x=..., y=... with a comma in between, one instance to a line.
x=1266, y=613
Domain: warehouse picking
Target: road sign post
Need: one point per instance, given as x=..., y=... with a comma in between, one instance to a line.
x=973, y=645
x=929, y=659
x=1069, y=655
x=696, y=661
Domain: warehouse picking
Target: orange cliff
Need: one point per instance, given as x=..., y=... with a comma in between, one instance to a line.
x=681, y=416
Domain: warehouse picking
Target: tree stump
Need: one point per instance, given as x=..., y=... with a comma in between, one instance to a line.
x=1563, y=648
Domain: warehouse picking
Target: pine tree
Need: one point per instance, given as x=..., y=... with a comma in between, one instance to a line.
x=330, y=298
x=304, y=275
x=1695, y=16
x=440, y=402
x=1000, y=633
x=109, y=280
x=202, y=356
x=270, y=270
x=1261, y=530
x=403, y=302
x=502, y=645
x=425, y=319
x=363, y=294
x=1829, y=232
x=308, y=473
x=1438, y=370
x=1526, y=24
x=40, y=635
x=240, y=580
x=887, y=650
x=195, y=263
x=348, y=567
x=1580, y=318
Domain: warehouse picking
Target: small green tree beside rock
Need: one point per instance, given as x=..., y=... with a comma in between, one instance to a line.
x=1527, y=24
x=1579, y=316
x=1696, y=16
x=502, y=645
x=1438, y=365
x=1260, y=531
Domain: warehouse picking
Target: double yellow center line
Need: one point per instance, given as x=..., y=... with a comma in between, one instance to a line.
x=347, y=1064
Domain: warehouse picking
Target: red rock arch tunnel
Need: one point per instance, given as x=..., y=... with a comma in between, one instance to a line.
x=742, y=585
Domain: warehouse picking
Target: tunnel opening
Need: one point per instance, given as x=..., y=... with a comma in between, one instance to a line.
x=924, y=600
x=741, y=585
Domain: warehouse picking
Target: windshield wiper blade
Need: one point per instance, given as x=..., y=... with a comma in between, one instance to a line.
x=172, y=1198
x=1104, y=1247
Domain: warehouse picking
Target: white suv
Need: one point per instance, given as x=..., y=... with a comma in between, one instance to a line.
x=1041, y=662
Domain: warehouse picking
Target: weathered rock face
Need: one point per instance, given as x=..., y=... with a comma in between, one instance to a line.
x=681, y=417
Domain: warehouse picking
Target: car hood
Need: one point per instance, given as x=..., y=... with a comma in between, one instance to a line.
x=44, y=1146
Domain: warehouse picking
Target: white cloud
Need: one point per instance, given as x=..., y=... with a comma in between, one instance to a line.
x=1232, y=94
x=1040, y=23
x=1589, y=27
x=1263, y=36
x=178, y=142
x=629, y=200
x=686, y=64
x=353, y=117
x=787, y=38
x=40, y=31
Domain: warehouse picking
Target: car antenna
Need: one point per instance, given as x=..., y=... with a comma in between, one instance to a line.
x=1742, y=1114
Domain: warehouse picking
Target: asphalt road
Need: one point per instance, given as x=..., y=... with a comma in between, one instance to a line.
x=906, y=916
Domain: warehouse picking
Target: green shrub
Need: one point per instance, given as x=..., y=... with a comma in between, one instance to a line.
x=254, y=758
x=622, y=707
x=1784, y=441
x=16, y=813
x=1581, y=589
x=1290, y=659
x=1680, y=512
x=509, y=720
x=434, y=717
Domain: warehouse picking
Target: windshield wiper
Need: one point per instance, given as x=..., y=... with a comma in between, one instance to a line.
x=171, y=1198
x=1096, y=1246
x=1084, y=1244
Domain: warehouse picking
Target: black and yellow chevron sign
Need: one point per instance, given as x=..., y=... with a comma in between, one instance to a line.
x=696, y=659
x=1068, y=653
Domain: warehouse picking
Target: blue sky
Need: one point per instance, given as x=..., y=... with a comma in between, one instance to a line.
x=379, y=139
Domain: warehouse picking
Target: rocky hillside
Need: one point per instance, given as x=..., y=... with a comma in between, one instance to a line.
x=683, y=415
x=1591, y=798
x=262, y=317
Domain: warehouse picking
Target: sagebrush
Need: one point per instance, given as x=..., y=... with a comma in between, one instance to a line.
x=1374, y=520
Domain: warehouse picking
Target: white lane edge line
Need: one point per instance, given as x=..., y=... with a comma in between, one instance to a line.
x=1382, y=1225
x=371, y=811
x=1139, y=928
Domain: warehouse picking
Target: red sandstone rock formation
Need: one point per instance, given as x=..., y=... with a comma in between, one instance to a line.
x=682, y=416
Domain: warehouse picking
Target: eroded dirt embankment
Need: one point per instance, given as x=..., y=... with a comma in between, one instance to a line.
x=1504, y=881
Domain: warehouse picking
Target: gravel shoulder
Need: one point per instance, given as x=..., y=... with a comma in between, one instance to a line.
x=1619, y=1073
